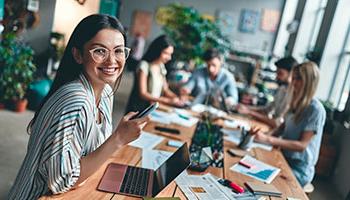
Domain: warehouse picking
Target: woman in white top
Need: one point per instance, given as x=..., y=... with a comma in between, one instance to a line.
x=150, y=82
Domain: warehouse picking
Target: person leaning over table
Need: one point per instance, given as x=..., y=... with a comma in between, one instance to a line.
x=150, y=82
x=71, y=134
x=211, y=79
x=273, y=113
x=301, y=134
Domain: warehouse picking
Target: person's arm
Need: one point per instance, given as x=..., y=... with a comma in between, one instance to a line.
x=126, y=132
x=167, y=91
x=144, y=94
x=293, y=145
x=185, y=90
x=231, y=90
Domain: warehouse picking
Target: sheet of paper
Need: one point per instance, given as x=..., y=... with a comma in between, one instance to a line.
x=201, y=108
x=200, y=187
x=160, y=117
x=180, y=117
x=147, y=140
x=152, y=159
x=234, y=136
x=237, y=124
x=259, y=170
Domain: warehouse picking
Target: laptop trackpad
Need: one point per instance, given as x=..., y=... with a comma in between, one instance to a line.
x=113, y=177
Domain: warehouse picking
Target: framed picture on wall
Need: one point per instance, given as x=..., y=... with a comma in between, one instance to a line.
x=141, y=23
x=225, y=21
x=269, y=20
x=248, y=21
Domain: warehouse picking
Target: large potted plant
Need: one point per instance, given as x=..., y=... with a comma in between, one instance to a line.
x=17, y=70
x=192, y=33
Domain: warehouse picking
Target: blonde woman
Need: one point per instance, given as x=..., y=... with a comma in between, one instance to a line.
x=301, y=132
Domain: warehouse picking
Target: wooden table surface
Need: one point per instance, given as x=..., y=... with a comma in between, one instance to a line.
x=285, y=180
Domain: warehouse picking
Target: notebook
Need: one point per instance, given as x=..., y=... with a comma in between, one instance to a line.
x=259, y=188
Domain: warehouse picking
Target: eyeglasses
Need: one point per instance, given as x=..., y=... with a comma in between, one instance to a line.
x=101, y=54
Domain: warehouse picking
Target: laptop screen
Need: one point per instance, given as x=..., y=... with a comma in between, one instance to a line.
x=170, y=169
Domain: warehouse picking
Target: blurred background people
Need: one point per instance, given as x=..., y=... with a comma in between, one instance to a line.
x=300, y=135
x=150, y=81
x=273, y=113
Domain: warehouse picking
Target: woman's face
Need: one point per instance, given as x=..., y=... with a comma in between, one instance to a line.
x=297, y=81
x=108, y=42
x=165, y=55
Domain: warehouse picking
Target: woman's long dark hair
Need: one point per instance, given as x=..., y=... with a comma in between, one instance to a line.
x=69, y=70
x=156, y=47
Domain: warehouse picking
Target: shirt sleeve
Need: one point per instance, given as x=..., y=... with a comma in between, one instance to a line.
x=62, y=166
x=314, y=121
x=191, y=82
x=231, y=88
x=144, y=67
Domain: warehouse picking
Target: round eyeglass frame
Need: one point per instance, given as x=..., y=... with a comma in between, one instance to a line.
x=118, y=58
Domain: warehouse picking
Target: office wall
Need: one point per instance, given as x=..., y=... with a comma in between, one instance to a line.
x=68, y=14
x=250, y=41
x=38, y=38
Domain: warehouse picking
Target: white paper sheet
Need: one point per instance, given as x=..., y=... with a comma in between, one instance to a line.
x=180, y=117
x=234, y=136
x=237, y=124
x=160, y=117
x=147, y=141
x=200, y=187
x=152, y=159
x=259, y=170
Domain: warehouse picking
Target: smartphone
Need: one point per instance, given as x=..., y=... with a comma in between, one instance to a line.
x=146, y=111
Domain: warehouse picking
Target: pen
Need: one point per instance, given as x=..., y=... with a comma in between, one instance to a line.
x=247, y=165
x=183, y=116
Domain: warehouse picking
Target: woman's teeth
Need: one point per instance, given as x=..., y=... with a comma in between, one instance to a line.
x=108, y=70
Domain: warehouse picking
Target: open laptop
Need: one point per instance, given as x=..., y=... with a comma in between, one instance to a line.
x=140, y=182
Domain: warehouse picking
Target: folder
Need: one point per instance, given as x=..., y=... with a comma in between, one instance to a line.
x=259, y=188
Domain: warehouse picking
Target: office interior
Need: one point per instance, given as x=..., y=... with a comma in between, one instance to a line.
x=317, y=30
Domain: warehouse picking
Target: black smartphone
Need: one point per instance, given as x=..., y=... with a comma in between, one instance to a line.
x=168, y=130
x=146, y=111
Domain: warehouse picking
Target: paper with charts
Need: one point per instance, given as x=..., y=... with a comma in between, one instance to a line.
x=258, y=170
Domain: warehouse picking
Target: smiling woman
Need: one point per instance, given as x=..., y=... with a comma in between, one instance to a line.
x=71, y=132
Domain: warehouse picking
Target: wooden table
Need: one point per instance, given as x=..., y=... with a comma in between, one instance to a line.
x=285, y=181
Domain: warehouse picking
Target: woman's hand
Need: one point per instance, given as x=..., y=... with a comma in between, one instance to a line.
x=129, y=130
x=243, y=109
x=177, y=102
x=259, y=135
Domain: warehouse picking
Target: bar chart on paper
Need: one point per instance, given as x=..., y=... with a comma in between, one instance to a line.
x=258, y=170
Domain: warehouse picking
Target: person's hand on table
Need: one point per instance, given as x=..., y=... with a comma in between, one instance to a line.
x=177, y=102
x=259, y=135
x=243, y=109
x=129, y=130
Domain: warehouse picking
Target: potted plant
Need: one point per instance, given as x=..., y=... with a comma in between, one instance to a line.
x=17, y=70
x=192, y=33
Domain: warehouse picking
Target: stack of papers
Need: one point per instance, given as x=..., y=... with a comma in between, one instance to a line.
x=199, y=108
x=234, y=136
x=146, y=140
x=206, y=187
x=258, y=170
x=179, y=116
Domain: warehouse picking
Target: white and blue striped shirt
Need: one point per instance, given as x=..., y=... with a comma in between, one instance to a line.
x=65, y=130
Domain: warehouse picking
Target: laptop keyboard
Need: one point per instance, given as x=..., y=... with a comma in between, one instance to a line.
x=135, y=181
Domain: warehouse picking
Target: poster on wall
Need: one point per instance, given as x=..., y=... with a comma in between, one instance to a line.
x=225, y=22
x=269, y=20
x=2, y=11
x=248, y=21
x=141, y=23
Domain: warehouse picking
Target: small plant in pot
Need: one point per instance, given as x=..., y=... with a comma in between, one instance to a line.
x=16, y=71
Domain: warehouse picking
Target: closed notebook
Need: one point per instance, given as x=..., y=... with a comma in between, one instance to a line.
x=259, y=188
